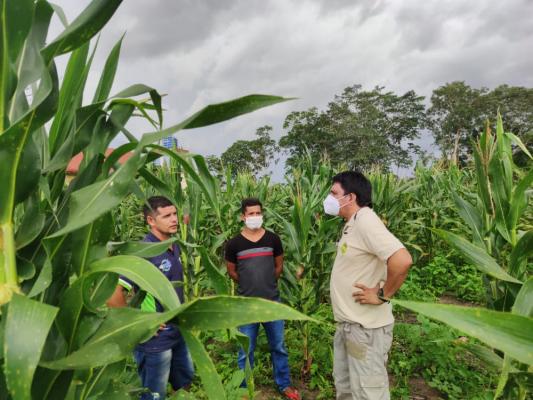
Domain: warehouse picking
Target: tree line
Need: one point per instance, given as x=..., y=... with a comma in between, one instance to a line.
x=377, y=128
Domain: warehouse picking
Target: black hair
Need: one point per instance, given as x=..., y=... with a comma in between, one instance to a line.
x=249, y=202
x=355, y=182
x=153, y=203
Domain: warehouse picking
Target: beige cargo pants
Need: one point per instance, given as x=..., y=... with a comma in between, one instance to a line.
x=360, y=357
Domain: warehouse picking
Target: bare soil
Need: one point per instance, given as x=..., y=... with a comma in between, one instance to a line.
x=446, y=299
x=421, y=391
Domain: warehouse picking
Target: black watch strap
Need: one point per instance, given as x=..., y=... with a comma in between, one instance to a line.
x=382, y=297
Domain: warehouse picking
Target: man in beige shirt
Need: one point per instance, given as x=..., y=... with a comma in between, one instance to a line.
x=370, y=266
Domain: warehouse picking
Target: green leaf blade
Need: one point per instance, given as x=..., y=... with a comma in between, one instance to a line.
x=477, y=256
x=83, y=28
x=26, y=328
x=504, y=331
x=223, y=312
x=116, y=338
x=143, y=273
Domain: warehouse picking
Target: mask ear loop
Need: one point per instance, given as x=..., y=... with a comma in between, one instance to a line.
x=338, y=200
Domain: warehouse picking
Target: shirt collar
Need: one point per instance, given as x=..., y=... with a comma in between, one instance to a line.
x=150, y=237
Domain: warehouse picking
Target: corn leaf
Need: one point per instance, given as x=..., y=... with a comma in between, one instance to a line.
x=476, y=255
x=108, y=75
x=222, y=312
x=523, y=304
x=140, y=249
x=471, y=216
x=521, y=252
x=219, y=282
x=91, y=202
x=519, y=199
x=120, y=332
x=507, y=332
x=216, y=113
x=516, y=140
x=143, y=273
x=83, y=28
x=26, y=328
x=204, y=367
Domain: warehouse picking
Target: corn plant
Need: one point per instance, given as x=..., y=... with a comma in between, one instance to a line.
x=308, y=239
x=57, y=337
x=501, y=251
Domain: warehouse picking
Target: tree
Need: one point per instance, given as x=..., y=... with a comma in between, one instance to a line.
x=515, y=105
x=252, y=156
x=359, y=129
x=458, y=114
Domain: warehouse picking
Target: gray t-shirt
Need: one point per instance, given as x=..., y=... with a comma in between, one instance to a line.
x=255, y=264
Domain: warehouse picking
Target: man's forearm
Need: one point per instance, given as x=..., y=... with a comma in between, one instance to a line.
x=397, y=267
x=394, y=282
x=234, y=275
x=232, y=271
x=278, y=266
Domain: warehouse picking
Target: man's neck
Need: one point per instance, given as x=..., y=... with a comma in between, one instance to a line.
x=160, y=235
x=247, y=232
x=349, y=211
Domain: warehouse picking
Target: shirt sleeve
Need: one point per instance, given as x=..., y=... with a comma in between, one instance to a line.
x=230, y=253
x=278, y=246
x=379, y=240
x=127, y=284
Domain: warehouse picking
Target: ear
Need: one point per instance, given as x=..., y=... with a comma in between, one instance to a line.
x=243, y=218
x=150, y=220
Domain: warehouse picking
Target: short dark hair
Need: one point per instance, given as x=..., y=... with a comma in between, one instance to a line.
x=355, y=182
x=153, y=203
x=249, y=202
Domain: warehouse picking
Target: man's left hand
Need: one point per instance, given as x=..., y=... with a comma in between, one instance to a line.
x=366, y=295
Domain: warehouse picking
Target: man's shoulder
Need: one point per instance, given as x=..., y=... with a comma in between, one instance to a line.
x=271, y=235
x=368, y=216
x=234, y=239
x=150, y=237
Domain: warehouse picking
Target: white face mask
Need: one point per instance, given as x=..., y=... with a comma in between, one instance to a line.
x=254, y=222
x=332, y=205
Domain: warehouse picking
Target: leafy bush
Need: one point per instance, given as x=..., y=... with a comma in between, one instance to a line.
x=444, y=275
x=429, y=350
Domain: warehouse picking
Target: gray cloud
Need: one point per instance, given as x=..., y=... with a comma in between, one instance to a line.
x=200, y=52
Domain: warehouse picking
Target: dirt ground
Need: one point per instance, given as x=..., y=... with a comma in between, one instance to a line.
x=418, y=387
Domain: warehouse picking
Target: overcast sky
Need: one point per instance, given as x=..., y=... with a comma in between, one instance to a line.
x=205, y=51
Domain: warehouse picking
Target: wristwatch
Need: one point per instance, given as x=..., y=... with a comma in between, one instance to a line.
x=382, y=297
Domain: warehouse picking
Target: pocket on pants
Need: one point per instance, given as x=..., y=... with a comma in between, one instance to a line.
x=357, y=341
x=359, y=334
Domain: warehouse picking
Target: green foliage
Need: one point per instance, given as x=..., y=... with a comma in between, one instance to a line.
x=253, y=156
x=443, y=275
x=294, y=210
x=433, y=351
x=360, y=129
x=458, y=113
x=54, y=234
x=58, y=267
x=493, y=222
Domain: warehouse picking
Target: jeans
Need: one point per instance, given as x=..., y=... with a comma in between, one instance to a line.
x=278, y=353
x=158, y=369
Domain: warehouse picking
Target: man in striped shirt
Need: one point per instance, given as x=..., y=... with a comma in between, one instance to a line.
x=254, y=260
